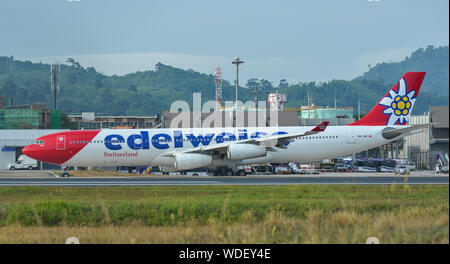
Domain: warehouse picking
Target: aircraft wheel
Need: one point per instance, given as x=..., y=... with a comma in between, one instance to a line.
x=229, y=173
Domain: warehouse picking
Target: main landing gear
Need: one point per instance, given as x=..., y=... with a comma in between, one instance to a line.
x=230, y=172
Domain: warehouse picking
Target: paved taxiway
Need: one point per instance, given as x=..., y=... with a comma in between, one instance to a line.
x=351, y=178
x=29, y=174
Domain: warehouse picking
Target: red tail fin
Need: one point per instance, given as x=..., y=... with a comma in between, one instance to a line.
x=397, y=105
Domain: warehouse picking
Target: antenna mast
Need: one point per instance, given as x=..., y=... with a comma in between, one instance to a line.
x=218, y=82
x=55, y=69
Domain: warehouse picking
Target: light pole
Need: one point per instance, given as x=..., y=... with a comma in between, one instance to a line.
x=237, y=61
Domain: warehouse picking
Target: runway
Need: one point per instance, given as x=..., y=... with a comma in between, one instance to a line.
x=220, y=180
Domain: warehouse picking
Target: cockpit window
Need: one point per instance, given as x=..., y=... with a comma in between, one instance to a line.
x=39, y=142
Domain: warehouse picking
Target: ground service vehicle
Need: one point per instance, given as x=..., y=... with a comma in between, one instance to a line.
x=366, y=165
x=387, y=165
x=295, y=168
x=308, y=169
x=401, y=169
x=23, y=162
x=263, y=169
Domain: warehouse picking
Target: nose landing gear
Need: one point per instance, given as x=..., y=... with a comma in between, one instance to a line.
x=65, y=172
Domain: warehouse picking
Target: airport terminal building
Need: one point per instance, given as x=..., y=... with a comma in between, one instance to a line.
x=88, y=120
x=423, y=147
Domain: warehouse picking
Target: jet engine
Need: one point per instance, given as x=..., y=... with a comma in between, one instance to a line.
x=189, y=161
x=245, y=151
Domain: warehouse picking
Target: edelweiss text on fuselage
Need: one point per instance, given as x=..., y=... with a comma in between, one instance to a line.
x=142, y=140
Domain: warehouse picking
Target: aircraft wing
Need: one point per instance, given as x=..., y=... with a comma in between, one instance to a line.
x=281, y=140
x=272, y=141
x=391, y=132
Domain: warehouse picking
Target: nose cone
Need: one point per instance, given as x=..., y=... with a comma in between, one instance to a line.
x=31, y=151
x=26, y=150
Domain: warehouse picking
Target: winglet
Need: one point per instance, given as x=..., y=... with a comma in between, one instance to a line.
x=321, y=127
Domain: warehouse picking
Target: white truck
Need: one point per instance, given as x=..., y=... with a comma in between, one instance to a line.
x=24, y=163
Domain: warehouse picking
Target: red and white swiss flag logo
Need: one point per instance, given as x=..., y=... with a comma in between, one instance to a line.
x=61, y=142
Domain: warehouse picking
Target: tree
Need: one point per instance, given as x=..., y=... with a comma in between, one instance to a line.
x=252, y=83
x=266, y=86
x=9, y=88
x=98, y=83
x=132, y=88
x=73, y=63
x=159, y=66
x=283, y=84
x=66, y=123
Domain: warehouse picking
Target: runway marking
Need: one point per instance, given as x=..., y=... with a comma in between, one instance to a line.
x=241, y=181
x=93, y=183
x=202, y=183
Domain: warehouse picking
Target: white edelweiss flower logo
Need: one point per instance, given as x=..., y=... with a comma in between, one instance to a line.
x=399, y=105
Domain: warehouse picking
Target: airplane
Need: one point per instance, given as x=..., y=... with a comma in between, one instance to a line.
x=178, y=149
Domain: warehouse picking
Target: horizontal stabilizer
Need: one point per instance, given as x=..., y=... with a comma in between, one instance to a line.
x=391, y=132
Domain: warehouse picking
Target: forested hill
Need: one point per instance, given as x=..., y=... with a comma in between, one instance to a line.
x=85, y=89
x=151, y=92
x=434, y=61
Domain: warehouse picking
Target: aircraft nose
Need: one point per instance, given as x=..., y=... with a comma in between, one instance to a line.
x=26, y=150
x=29, y=151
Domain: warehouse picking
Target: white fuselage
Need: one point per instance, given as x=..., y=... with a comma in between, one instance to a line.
x=150, y=144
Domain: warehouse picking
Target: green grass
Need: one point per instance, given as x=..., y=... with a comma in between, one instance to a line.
x=256, y=214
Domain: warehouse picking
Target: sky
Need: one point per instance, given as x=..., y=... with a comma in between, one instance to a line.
x=295, y=40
